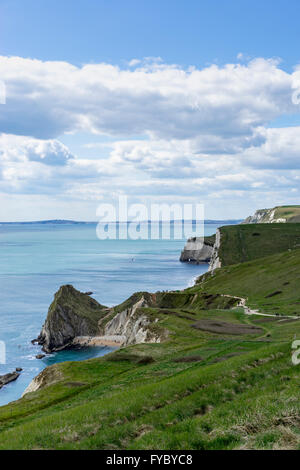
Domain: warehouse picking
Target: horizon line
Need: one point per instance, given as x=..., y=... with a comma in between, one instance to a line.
x=71, y=221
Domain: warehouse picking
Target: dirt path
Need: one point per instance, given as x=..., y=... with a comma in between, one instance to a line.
x=249, y=311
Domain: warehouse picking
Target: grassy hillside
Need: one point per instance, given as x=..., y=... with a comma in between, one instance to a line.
x=241, y=243
x=278, y=214
x=221, y=380
x=270, y=284
x=290, y=213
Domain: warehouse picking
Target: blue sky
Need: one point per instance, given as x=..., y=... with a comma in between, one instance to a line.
x=165, y=101
x=191, y=32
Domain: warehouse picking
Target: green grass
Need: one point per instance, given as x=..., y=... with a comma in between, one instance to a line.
x=194, y=390
x=271, y=284
x=242, y=243
x=210, y=240
x=82, y=305
x=290, y=213
x=220, y=405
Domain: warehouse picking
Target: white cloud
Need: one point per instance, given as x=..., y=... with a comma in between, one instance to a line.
x=22, y=148
x=281, y=150
x=160, y=100
x=179, y=134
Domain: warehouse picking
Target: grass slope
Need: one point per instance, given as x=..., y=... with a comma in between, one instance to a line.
x=242, y=243
x=197, y=390
x=290, y=213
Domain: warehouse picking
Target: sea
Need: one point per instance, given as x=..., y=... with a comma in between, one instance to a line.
x=36, y=259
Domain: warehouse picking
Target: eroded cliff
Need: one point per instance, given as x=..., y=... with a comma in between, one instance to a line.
x=74, y=318
x=278, y=214
x=71, y=314
x=198, y=250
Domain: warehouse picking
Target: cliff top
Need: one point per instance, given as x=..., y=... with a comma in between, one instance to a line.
x=278, y=214
x=80, y=303
x=241, y=243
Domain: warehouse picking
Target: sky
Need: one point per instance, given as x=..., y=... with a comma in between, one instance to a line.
x=169, y=101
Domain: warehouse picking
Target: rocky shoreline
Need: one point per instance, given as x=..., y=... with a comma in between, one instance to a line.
x=91, y=341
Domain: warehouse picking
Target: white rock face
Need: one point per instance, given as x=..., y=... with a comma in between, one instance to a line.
x=125, y=328
x=135, y=328
x=196, y=251
x=32, y=387
x=215, y=260
x=45, y=378
x=264, y=216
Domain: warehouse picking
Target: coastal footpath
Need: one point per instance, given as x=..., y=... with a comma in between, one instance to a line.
x=208, y=367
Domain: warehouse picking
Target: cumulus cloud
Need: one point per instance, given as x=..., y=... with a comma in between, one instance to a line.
x=164, y=101
x=31, y=165
x=280, y=150
x=176, y=133
x=22, y=148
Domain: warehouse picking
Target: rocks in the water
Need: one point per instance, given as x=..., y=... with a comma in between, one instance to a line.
x=198, y=250
x=71, y=314
x=40, y=356
x=19, y=369
x=7, y=378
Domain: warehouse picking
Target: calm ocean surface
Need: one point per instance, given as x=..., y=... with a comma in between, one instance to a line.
x=35, y=260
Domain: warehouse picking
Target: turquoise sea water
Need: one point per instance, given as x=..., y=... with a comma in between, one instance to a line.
x=35, y=260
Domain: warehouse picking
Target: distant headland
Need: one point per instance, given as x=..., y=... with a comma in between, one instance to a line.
x=76, y=222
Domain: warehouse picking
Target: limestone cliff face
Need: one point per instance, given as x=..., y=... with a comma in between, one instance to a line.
x=47, y=377
x=197, y=250
x=215, y=261
x=74, y=315
x=264, y=216
x=279, y=214
x=132, y=324
x=71, y=314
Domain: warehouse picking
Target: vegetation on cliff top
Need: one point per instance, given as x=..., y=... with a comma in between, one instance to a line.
x=242, y=243
x=278, y=214
x=221, y=380
x=82, y=304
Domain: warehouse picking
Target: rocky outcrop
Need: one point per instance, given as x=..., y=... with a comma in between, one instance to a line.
x=215, y=261
x=279, y=214
x=47, y=377
x=7, y=378
x=71, y=314
x=133, y=324
x=75, y=319
x=198, y=250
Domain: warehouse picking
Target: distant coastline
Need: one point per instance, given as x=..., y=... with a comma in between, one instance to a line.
x=75, y=222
